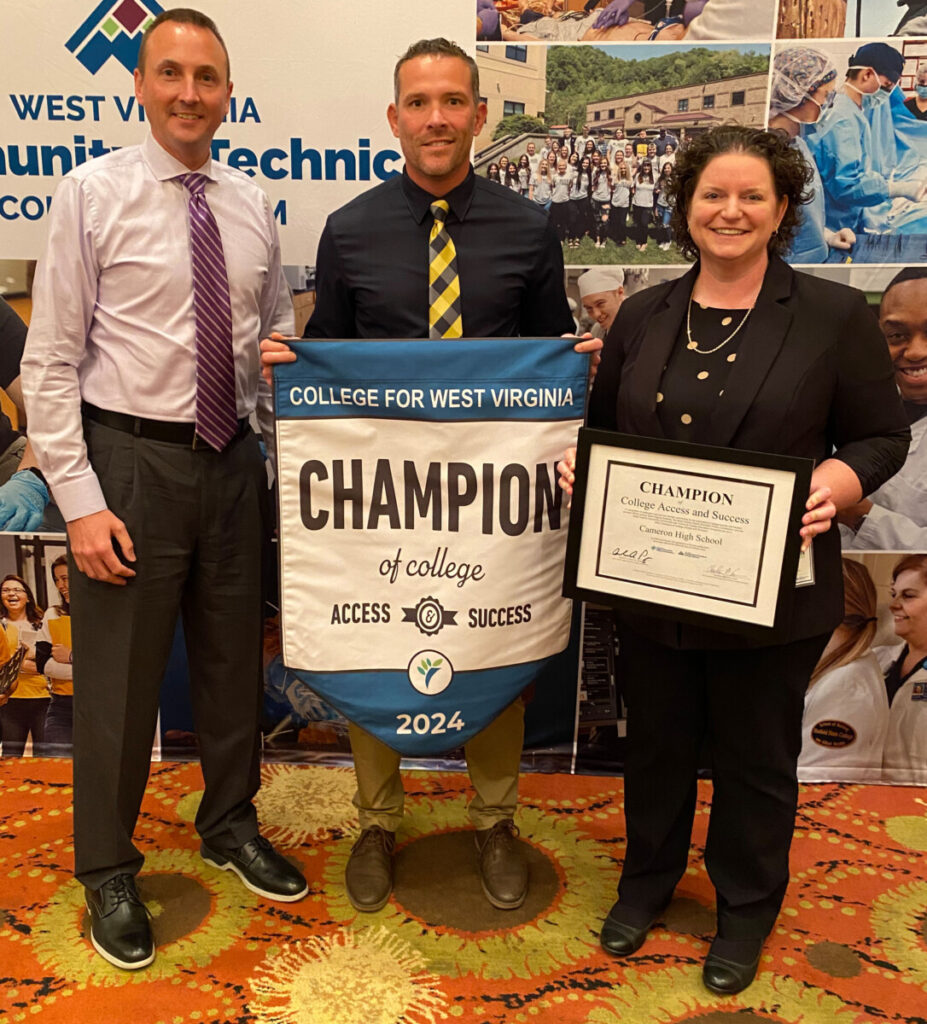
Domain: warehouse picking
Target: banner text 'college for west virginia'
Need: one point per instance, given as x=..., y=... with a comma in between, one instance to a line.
x=422, y=530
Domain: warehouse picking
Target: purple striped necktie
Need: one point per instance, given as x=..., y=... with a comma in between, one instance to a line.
x=216, y=413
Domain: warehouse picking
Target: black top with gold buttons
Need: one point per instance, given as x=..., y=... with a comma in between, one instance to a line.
x=696, y=374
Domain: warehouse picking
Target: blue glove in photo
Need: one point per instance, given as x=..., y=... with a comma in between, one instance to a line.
x=22, y=501
x=615, y=14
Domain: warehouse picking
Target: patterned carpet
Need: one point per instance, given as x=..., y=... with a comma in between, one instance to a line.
x=851, y=945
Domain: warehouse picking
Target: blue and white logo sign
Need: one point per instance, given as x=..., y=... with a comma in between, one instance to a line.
x=422, y=530
x=430, y=672
x=114, y=29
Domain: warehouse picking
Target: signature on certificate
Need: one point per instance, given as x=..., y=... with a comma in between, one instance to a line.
x=640, y=555
x=727, y=572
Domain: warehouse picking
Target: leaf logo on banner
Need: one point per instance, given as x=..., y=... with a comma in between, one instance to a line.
x=429, y=669
x=430, y=672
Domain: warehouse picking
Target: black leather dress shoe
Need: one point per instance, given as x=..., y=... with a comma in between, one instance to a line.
x=731, y=965
x=503, y=868
x=368, y=876
x=261, y=868
x=625, y=930
x=120, y=925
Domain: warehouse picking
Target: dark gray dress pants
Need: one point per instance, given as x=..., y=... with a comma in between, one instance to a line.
x=196, y=519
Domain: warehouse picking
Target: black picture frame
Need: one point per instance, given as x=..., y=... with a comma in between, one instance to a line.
x=778, y=534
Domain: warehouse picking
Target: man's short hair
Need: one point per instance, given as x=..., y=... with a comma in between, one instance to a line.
x=907, y=274
x=184, y=16
x=438, y=47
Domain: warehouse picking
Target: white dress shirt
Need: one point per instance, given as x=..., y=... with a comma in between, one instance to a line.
x=113, y=320
x=897, y=520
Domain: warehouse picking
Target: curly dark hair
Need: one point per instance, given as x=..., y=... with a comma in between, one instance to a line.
x=791, y=177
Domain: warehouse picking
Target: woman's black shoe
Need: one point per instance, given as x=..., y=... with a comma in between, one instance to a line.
x=625, y=930
x=731, y=965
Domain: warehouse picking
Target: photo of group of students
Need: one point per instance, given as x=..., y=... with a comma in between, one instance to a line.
x=36, y=664
x=598, y=186
x=600, y=155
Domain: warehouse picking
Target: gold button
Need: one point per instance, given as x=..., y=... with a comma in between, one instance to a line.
x=727, y=320
x=721, y=392
x=732, y=357
x=703, y=375
x=659, y=396
x=692, y=344
x=686, y=418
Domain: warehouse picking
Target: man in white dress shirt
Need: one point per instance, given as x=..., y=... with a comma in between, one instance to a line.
x=162, y=517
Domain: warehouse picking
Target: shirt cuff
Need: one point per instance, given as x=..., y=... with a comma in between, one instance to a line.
x=80, y=497
x=868, y=534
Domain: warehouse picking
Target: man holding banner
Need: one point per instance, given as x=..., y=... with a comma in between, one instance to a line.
x=141, y=372
x=439, y=253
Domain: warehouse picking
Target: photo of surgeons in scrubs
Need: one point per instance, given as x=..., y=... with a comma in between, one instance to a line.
x=849, y=110
x=865, y=717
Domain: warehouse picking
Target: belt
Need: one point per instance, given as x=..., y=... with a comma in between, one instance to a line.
x=153, y=430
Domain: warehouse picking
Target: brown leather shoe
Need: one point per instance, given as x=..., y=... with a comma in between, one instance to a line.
x=503, y=868
x=368, y=877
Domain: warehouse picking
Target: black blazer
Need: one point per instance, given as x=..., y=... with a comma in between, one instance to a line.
x=814, y=380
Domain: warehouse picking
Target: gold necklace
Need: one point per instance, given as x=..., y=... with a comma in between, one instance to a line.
x=693, y=344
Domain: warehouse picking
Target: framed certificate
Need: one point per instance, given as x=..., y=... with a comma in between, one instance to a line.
x=708, y=536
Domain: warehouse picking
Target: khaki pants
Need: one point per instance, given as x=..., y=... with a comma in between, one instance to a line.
x=493, y=758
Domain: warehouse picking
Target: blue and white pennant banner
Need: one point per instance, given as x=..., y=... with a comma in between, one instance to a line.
x=422, y=530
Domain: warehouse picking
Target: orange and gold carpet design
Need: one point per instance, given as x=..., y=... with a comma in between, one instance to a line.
x=851, y=945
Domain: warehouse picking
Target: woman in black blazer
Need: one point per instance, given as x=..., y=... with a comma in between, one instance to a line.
x=745, y=353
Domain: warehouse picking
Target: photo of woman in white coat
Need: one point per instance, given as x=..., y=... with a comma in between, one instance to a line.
x=846, y=706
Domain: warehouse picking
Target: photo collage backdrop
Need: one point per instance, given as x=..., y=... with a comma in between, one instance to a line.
x=588, y=105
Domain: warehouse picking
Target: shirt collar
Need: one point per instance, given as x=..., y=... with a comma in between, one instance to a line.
x=165, y=167
x=458, y=199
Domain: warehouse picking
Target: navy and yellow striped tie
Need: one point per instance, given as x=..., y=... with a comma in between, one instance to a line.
x=444, y=318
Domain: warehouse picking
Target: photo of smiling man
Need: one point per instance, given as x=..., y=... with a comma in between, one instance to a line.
x=601, y=291
x=894, y=518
